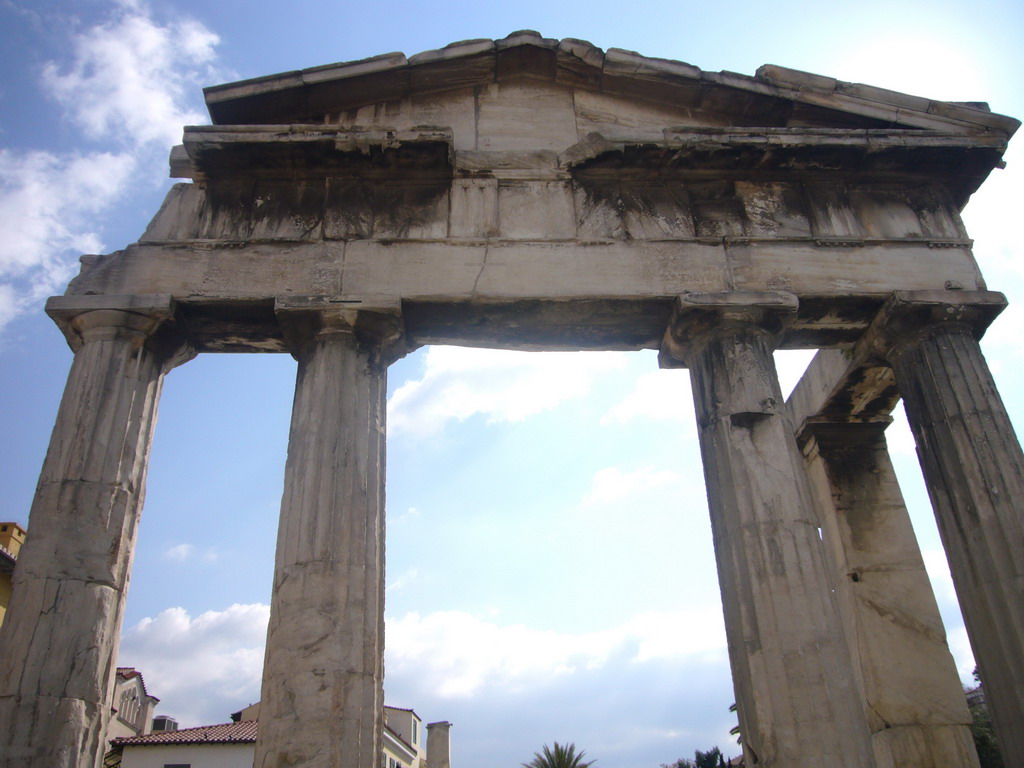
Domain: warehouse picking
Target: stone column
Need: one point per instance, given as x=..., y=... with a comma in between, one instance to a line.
x=58, y=644
x=795, y=688
x=974, y=471
x=914, y=702
x=323, y=699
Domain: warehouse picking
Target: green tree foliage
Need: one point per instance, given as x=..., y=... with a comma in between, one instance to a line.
x=985, y=737
x=713, y=758
x=560, y=757
x=984, y=734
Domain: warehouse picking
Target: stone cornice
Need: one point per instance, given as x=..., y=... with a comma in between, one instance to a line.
x=773, y=96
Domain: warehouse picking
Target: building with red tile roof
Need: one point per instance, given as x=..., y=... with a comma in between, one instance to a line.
x=131, y=710
x=233, y=745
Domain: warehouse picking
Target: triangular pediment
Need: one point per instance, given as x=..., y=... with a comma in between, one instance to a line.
x=774, y=97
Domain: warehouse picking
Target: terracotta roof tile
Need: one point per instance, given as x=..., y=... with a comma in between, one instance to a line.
x=225, y=733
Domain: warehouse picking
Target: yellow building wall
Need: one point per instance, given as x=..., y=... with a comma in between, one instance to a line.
x=5, y=594
x=12, y=536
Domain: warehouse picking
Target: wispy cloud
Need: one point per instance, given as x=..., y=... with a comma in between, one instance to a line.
x=179, y=552
x=183, y=552
x=612, y=484
x=662, y=395
x=502, y=386
x=129, y=83
x=48, y=208
x=402, y=580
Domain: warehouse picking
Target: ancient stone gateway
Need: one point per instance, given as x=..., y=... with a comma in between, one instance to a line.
x=539, y=194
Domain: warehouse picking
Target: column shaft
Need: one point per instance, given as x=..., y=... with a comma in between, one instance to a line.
x=796, y=693
x=59, y=641
x=322, y=704
x=914, y=702
x=974, y=470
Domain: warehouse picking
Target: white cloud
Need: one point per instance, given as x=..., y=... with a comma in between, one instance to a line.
x=205, y=667
x=9, y=304
x=129, y=83
x=130, y=78
x=201, y=668
x=48, y=208
x=501, y=385
x=459, y=655
x=179, y=552
x=611, y=484
x=663, y=395
x=183, y=552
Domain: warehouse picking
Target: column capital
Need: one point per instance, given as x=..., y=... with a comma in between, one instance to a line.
x=698, y=317
x=374, y=321
x=909, y=315
x=140, y=319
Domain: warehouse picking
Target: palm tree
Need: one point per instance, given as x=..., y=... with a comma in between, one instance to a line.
x=559, y=757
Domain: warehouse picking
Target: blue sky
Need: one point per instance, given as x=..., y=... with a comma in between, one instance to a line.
x=550, y=573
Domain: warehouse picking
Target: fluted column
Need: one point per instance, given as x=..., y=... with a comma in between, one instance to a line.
x=796, y=692
x=913, y=699
x=58, y=644
x=322, y=702
x=974, y=470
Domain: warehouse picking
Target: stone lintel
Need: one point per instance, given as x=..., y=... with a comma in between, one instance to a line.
x=697, y=316
x=376, y=321
x=909, y=313
x=829, y=432
x=840, y=385
x=829, y=435
x=856, y=384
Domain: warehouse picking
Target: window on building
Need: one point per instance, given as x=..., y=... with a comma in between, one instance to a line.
x=415, y=730
x=128, y=711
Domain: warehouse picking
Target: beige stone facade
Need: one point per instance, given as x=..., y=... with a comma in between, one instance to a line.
x=539, y=194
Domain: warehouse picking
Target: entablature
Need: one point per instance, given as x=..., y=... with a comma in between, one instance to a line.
x=381, y=153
